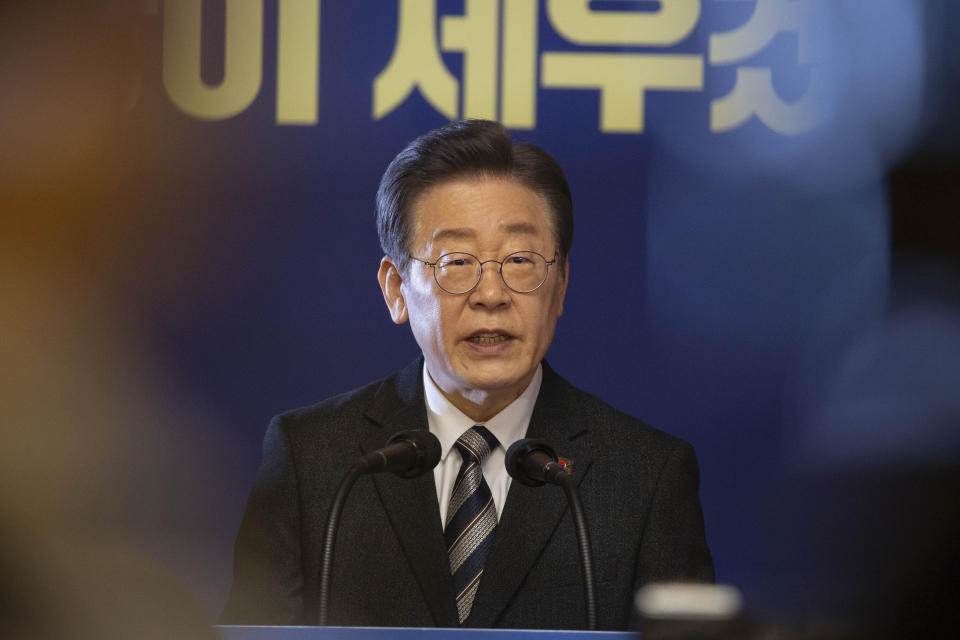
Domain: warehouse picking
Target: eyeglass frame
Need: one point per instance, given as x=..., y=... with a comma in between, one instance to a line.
x=480, y=263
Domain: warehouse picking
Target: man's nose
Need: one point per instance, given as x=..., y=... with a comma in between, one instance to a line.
x=491, y=290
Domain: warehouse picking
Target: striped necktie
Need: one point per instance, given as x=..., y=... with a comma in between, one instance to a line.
x=471, y=518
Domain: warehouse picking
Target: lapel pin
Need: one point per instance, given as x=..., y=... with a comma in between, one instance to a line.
x=567, y=465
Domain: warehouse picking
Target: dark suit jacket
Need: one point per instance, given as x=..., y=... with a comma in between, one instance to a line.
x=638, y=486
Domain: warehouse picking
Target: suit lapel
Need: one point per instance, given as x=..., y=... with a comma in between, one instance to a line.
x=532, y=514
x=411, y=504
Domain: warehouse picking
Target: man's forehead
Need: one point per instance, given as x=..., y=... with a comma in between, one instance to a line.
x=480, y=209
x=444, y=232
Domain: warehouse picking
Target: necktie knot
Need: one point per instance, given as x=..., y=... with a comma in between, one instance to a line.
x=476, y=443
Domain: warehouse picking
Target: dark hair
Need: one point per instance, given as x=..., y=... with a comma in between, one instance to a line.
x=467, y=148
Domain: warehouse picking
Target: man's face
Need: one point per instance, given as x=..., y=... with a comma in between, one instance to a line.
x=488, y=342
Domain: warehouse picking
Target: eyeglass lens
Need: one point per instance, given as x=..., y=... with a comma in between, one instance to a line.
x=522, y=271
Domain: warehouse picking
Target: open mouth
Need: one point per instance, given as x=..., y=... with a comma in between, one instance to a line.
x=488, y=338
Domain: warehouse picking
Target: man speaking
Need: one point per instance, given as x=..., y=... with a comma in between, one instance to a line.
x=476, y=232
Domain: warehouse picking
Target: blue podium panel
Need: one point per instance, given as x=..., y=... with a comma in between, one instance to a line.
x=411, y=633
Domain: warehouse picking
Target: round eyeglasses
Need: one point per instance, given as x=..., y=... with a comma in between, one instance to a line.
x=521, y=271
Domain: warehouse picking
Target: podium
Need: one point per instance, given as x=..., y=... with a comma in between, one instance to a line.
x=411, y=633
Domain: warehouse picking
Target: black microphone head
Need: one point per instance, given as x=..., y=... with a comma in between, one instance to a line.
x=427, y=449
x=521, y=451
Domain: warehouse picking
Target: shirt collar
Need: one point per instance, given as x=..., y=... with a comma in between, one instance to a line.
x=448, y=423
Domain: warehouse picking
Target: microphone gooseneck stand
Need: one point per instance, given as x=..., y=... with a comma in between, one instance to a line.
x=533, y=463
x=330, y=537
x=583, y=541
x=408, y=454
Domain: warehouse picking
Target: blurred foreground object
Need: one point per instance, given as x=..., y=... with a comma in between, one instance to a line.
x=678, y=611
x=101, y=468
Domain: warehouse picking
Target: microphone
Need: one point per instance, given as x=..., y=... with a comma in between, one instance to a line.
x=407, y=454
x=533, y=462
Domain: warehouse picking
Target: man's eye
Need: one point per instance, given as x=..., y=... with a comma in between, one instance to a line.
x=519, y=260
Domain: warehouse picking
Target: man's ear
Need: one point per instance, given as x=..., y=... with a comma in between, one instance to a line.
x=390, y=281
x=563, y=286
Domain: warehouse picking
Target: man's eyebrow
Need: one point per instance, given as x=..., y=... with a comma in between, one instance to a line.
x=520, y=227
x=455, y=233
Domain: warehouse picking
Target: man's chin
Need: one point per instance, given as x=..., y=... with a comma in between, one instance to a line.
x=498, y=381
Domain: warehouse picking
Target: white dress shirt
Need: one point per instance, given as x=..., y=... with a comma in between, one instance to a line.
x=448, y=423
